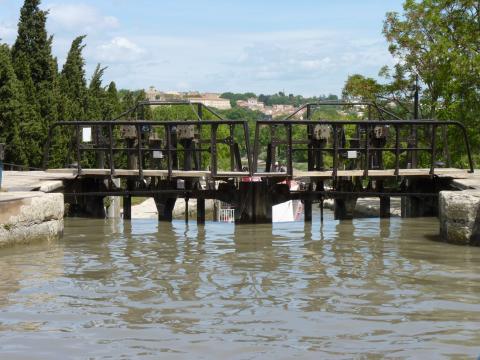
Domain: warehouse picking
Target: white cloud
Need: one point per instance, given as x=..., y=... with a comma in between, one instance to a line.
x=306, y=62
x=7, y=32
x=119, y=49
x=80, y=17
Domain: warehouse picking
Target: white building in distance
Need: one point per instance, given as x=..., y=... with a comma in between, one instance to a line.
x=211, y=100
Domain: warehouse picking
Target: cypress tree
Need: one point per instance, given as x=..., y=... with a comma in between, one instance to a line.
x=36, y=68
x=113, y=107
x=73, y=85
x=73, y=90
x=12, y=110
x=96, y=95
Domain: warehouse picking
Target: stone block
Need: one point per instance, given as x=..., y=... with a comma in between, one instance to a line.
x=459, y=213
x=25, y=217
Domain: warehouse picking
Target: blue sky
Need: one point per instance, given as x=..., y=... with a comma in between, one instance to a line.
x=303, y=47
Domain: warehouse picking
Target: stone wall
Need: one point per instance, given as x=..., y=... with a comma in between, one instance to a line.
x=29, y=216
x=459, y=214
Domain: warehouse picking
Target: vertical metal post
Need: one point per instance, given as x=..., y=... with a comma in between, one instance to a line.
x=416, y=101
x=186, y=209
x=310, y=156
x=139, y=151
x=367, y=151
x=79, y=166
x=247, y=146
x=414, y=132
x=98, y=143
x=110, y=137
x=132, y=164
x=290, y=150
x=335, y=152
x=213, y=149
x=256, y=148
x=198, y=153
x=268, y=161
x=169, y=151
x=273, y=148
x=433, y=154
x=232, y=152
x=2, y=157
x=397, y=150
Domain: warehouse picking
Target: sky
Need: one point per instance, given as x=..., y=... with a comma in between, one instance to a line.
x=306, y=47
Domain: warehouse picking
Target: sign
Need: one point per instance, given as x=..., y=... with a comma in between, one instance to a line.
x=351, y=154
x=87, y=134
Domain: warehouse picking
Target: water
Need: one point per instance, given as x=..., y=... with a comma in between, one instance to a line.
x=361, y=289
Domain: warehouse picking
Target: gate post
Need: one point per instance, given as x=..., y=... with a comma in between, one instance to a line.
x=2, y=157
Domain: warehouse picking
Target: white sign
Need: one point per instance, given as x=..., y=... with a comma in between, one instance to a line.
x=87, y=134
x=157, y=154
x=352, y=154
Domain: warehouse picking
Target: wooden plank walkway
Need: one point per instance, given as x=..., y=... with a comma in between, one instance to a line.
x=147, y=173
x=444, y=172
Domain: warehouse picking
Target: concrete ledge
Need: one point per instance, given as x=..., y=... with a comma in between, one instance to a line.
x=28, y=216
x=459, y=213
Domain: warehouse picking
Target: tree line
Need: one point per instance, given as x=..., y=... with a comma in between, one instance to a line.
x=280, y=98
x=35, y=93
x=437, y=47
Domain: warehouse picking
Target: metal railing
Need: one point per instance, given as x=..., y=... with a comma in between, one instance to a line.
x=365, y=127
x=364, y=146
x=110, y=146
x=369, y=105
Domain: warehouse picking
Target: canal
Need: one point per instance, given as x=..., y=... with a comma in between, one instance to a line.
x=365, y=288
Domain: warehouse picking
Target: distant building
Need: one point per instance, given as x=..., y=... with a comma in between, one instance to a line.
x=152, y=94
x=210, y=100
x=252, y=104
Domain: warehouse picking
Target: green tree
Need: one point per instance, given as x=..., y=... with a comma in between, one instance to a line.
x=73, y=84
x=361, y=88
x=112, y=106
x=36, y=68
x=96, y=95
x=73, y=91
x=438, y=41
x=12, y=110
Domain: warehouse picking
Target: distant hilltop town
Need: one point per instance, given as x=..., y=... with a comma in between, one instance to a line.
x=215, y=100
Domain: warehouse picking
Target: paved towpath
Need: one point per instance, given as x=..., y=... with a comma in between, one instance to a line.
x=21, y=181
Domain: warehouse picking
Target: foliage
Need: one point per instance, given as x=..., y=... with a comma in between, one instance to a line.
x=276, y=99
x=12, y=109
x=37, y=70
x=436, y=41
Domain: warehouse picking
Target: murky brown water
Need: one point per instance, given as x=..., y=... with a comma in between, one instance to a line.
x=361, y=289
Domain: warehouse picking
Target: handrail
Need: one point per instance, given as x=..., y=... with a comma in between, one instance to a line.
x=138, y=124
x=367, y=124
x=343, y=103
x=253, y=156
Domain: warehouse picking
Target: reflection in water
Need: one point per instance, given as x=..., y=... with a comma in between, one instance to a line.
x=382, y=288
